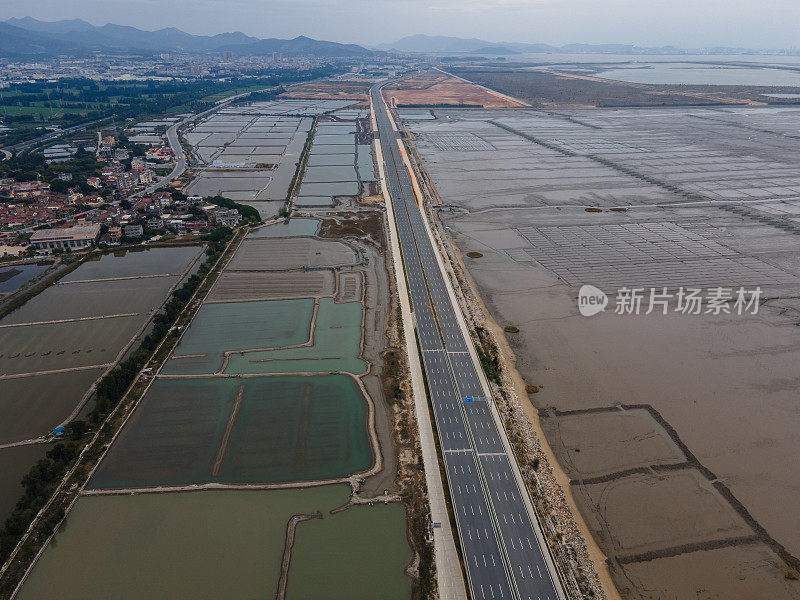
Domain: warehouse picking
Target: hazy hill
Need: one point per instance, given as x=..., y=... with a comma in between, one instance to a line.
x=495, y=50
x=31, y=37
x=438, y=44
x=32, y=24
x=299, y=46
x=435, y=44
x=16, y=42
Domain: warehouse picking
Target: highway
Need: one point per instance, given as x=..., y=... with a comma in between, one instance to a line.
x=502, y=553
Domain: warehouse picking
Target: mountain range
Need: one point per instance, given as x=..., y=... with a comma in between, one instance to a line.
x=439, y=44
x=29, y=37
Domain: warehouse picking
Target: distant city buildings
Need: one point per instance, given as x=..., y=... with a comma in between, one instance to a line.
x=169, y=66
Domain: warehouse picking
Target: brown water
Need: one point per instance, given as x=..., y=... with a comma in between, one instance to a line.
x=357, y=554
x=14, y=465
x=199, y=545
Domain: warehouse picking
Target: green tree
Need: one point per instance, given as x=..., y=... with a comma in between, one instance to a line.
x=59, y=186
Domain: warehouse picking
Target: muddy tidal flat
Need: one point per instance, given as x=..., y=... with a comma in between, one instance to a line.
x=677, y=431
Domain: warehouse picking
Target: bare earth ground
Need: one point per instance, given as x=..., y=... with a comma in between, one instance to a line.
x=556, y=87
x=677, y=432
x=329, y=90
x=434, y=88
x=549, y=88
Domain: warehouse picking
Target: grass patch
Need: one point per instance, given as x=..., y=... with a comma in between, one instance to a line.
x=487, y=353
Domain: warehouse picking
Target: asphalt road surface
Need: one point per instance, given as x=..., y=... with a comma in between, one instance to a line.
x=501, y=551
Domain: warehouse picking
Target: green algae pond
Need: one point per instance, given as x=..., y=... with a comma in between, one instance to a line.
x=236, y=326
x=200, y=545
x=359, y=554
x=337, y=345
x=263, y=429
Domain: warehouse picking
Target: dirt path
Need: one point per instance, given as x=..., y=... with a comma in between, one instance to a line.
x=119, y=278
x=291, y=528
x=39, y=440
x=55, y=371
x=226, y=437
x=75, y=320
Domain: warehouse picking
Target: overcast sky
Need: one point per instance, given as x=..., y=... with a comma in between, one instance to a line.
x=686, y=23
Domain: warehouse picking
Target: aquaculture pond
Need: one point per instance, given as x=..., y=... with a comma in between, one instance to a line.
x=337, y=339
x=262, y=429
x=138, y=263
x=200, y=545
x=237, y=326
x=291, y=228
x=12, y=278
x=359, y=554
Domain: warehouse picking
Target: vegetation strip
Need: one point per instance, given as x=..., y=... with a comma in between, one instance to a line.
x=297, y=179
